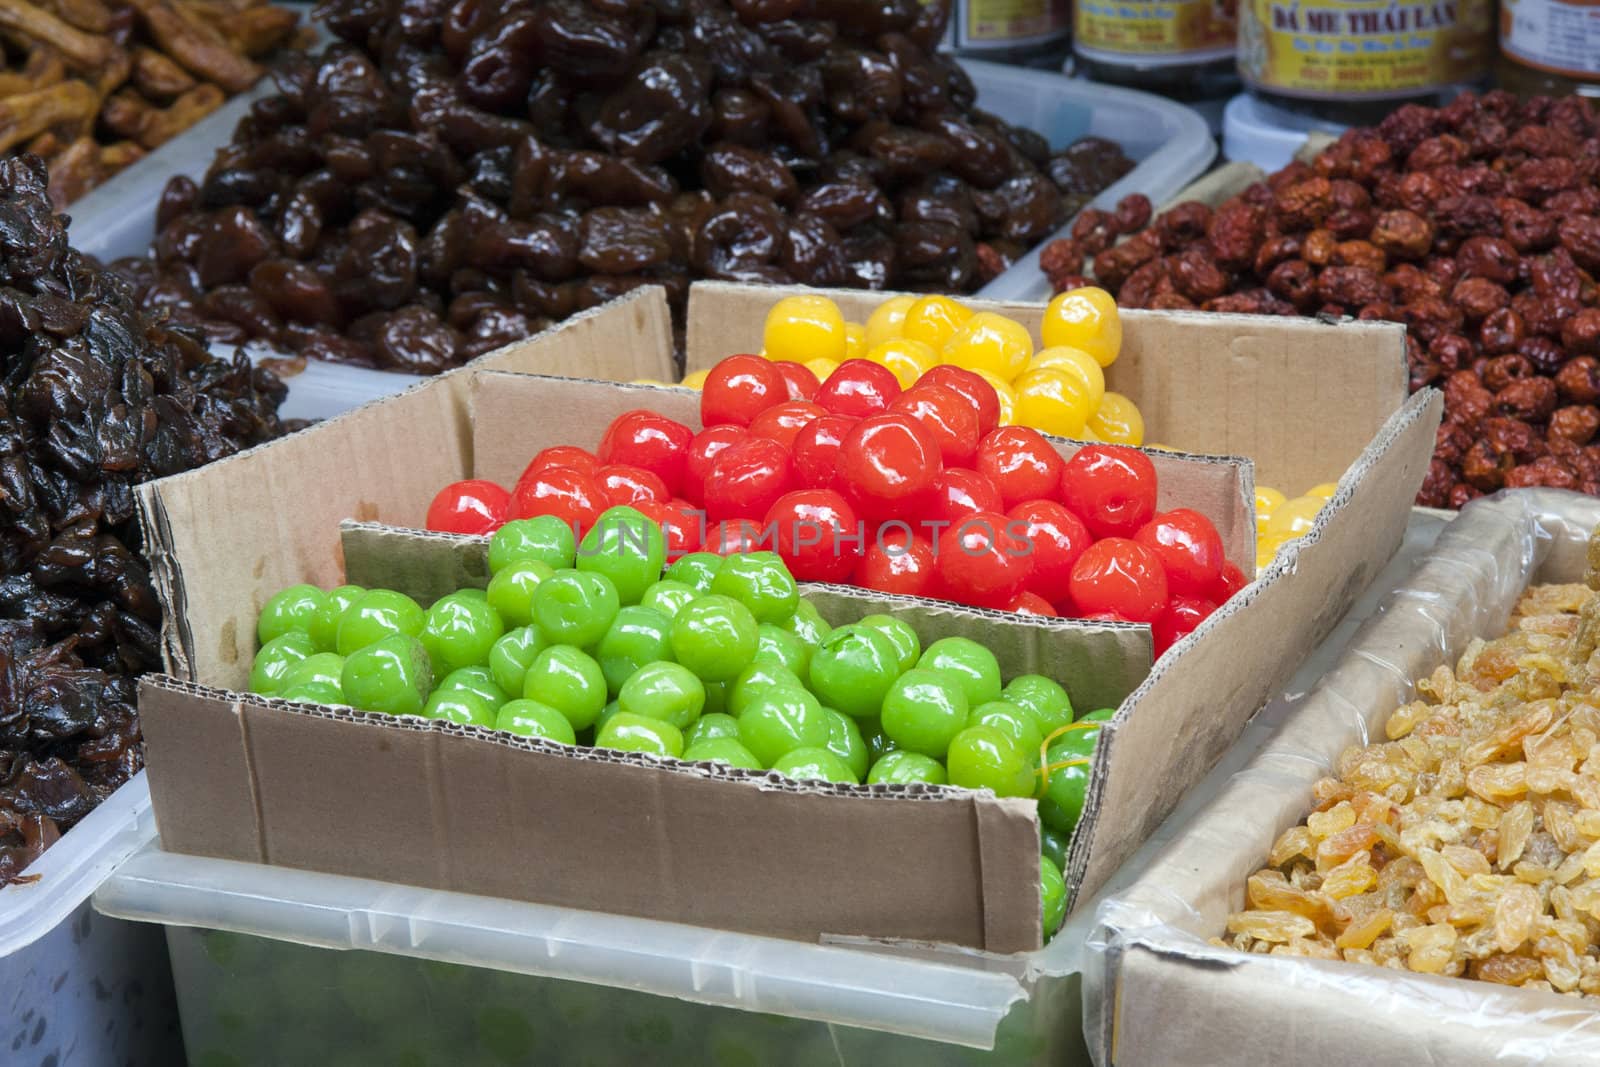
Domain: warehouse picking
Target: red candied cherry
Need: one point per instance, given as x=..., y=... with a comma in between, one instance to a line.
x=736, y=537
x=623, y=484
x=803, y=384
x=1103, y=616
x=702, y=451
x=959, y=492
x=747, y=479
x=1229, y=582
x=1021, y=464
x=1179, y=619
x=858, y=388
x=888, y=463
x=474, y=506
x=783, y=422
x=947, y=415
x=681, y=524
x=983, y=561
x=897, y=561
x=1026, y=603
x=817, y=533
x=979, y=393
x=1190, y=550
x=1121, y=577
x=1057, y=538
x=1112, y=488
x=650, y=441
x=562, y=456
x=575, y=498
x=816, y=451
x=740, y=388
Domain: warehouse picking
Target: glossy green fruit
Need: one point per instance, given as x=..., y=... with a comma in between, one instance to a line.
x=575, y=607
x=392, y=675
x=780, y=720
x=324, y=628
x=879, y=744
x=755, y=679
x=900, y=634
x=667, y=691
x=760, y=582
x=277, y=658
x=529, y=718
x=983, y=757
x=320, y=667
x=780, y=646
x=638, y=636
x=1062, y=804
x=1017, y=724
x=669, y=597
x=853, y=669
x=976, y=666
x=544, y=539
x=511, y=590
x=717, y=698
x=903, y=768
x=1052, y=896
x=846, y=742
x=513, y=654
x=807, y=624
x=635, y=733
x=815, y=765
x=569, y=680
x=709, y=727
x=1053, y=845
x=924, y=710
x=627, y=547
x=696, y=570
x=715, y=637
x=314, y=693
x=479, y=681
x=376, y=614
x=291, y=609
x=460, y=706
x=459, y=631
x=722, y=750
x=1041, y=697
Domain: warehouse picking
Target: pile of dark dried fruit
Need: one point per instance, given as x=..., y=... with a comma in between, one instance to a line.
x=94, y=398
x=458, y=174
x=1476, y=224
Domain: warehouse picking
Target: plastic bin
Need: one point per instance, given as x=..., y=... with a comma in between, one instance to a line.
x=76, y=987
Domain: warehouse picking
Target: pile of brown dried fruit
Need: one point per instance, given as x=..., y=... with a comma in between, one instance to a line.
x=94, y=398
x=1476, y=224
x=458, y=174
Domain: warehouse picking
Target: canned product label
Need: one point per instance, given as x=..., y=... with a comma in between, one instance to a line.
x=1190, y=29
x=1558, y=36
x=1325, y=49
x=1008, y=23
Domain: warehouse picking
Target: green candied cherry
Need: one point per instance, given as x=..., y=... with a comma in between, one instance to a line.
x=975, y=665
x=277, y=658
x=667, y=691
x=696, y=570
x=324, y=628
x=544, y=539
x=1040, y=697
x=1014, y=722
x=1053, y=845
x=1052, y=896
x=604, y=717
x=288, y=610
x=807, y=624
x=780, y=646
x=318, y=667
x=760, y=676
x=715, y=637
x=573, y=607
x=530, y=718
x=846, y=742
x=853, y=669
x=1062, y=804
x=479, y=681
x=569, y=680
x=924, y=710
x=459, y=631
x=636, y=733
x=900, y=634
x=722, y=750
x=760, y=582
x=513, y=654
x=459, y=705
x=904, y=768
x=638, y=636
x=511, y=590
x=626, y=546
x=669, y=597
x=983, y=757
x=717, y=698
x=815, y=765
x=392, y=674
x=709, y=726
x=376, y=614
x=780, y=720
x=879, y=744
x=314, y=693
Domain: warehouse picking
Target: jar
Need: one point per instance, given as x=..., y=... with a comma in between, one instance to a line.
x=1181, y=48
x=1550, y=47
x=1026, y=32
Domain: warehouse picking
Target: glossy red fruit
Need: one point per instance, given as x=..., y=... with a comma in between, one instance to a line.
x=859, y=388
x=982, y=561
x=979, y=394
x=817, y=533
x=1103, y=616
x=1229, y=582
x=802, y=383
x=1190, y=550
x=947, y=415
x=783, y=422
x=1031, y=604
x=623, y=484
x=740, y=388
x=815, y=451
x=681, y=524
x=888, y=463
x=649, y=441
x=474, y=506
x=1057, y=538
x=702, y=450
x=1020, y=463
x=736, y=537
x=578, y=459
x=897, y=561
x=571, y=496
x=747, y=479
x=959, y=492
x=1112, y=488
x=1122, y=577
x=1179, y=619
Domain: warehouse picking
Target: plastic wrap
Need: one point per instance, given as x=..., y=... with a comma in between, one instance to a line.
x=1156, y=991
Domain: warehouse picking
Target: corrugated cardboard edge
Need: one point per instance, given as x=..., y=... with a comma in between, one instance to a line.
x=1158, y=993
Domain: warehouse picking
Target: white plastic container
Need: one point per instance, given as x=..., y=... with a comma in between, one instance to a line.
x=77, y=988
x=1254, y=131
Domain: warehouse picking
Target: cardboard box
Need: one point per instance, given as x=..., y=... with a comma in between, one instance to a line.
x=1157, y=992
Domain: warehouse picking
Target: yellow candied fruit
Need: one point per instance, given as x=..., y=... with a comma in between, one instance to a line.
x=805, y=327
x=933, y=320
x=1151, y=446
x=1117, y=421
x=1085, y=318
x=1294, y=517
x=1006, y=395
x=1267, y=551
x=908, y=359
x=1074, y=361
x=821, y=368
x=855, y=340
x=695, y=379
x=888, y=320
x=1052, y=401
x=1268, y=501
x=1325, y=490
x=990, y=342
